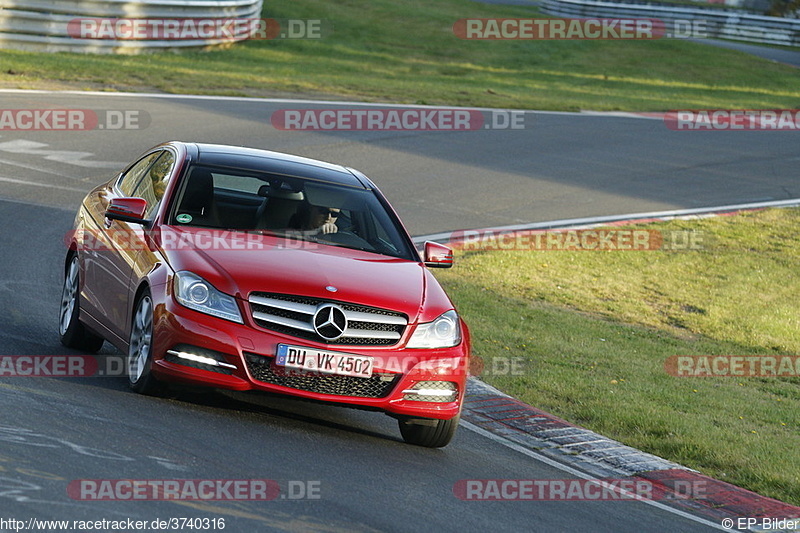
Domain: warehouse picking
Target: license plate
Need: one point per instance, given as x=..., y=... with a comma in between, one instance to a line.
x=313, y=360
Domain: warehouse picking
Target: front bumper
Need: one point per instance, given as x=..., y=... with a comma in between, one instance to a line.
x=193, y=348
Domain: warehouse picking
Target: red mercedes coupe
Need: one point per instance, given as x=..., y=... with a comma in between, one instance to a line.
x=245, y=269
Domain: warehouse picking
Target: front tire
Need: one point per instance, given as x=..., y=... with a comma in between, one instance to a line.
x=140, y=346
x=72, y=332
x=437, y=435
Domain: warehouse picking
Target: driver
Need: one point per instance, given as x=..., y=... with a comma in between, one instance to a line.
x=315, y=219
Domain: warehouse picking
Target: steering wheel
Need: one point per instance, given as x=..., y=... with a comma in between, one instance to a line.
x=346, y=238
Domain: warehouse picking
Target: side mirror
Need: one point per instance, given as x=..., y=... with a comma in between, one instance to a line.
x=437, y=255
x=127, y=210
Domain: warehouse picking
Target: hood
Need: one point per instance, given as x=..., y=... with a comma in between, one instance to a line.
x=237, y=263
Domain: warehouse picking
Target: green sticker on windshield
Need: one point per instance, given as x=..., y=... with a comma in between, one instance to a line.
x=184, y=218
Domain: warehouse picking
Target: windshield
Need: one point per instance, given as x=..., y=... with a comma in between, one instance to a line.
x=291, y=207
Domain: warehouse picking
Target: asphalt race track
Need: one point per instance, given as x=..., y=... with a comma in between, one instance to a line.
x=558, y=166
x=352, y=464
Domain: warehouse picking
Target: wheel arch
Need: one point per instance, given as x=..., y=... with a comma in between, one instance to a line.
x=71, y=252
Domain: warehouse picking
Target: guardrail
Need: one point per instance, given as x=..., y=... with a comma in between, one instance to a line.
x=718, y=23
x=49, y=26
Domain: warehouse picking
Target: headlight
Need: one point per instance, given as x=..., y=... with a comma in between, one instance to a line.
x=443, y=332
x=196, y=293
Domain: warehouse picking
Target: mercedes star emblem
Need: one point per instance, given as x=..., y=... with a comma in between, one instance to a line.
x=330, y=322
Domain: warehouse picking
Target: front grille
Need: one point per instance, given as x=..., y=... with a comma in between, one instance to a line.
x=378, y=386
x=294, y=315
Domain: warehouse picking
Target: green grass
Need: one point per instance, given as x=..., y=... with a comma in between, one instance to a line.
x=405, y=51
x=592, y=331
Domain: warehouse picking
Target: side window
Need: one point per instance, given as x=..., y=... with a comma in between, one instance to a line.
x=128, y=182
x=154, y=182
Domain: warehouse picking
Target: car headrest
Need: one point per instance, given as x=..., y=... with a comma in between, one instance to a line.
x=279, y=191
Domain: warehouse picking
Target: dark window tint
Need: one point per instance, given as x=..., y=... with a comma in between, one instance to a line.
x=297, y=208
x=128, y=182
x=154, y=182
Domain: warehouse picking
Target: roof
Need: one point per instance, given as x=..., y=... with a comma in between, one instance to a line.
x=273, y=162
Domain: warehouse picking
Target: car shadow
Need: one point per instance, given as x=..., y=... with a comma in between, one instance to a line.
x=109, y=374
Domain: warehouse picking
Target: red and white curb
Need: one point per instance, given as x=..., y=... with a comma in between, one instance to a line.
x=550, y=437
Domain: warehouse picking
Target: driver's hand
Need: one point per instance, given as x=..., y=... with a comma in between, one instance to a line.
x=328, y=227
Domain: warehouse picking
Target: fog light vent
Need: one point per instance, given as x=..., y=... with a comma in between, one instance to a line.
x=432, y=391
x=197, y=357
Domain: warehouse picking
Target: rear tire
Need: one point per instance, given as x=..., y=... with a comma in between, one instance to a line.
x=72, y=332
x=140, y=345
x=433, y=436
